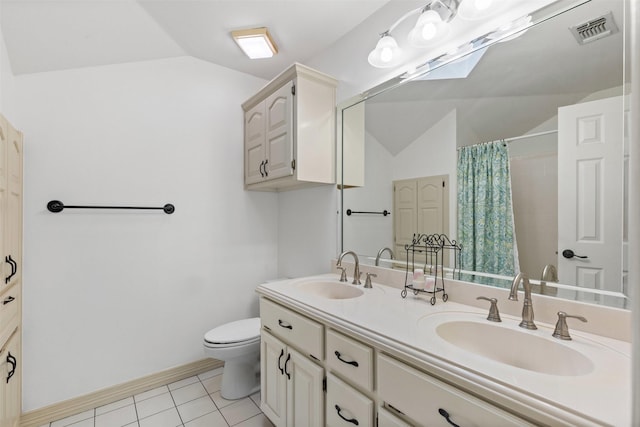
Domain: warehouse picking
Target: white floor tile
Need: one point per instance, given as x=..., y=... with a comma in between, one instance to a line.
x=206, y=375
x=188, y=393
x=184, y=382
x=240, y=411
x=256, y=398
x=213, y=384
x=214, y=419
x=74, y=418
x=196, y=408
x=257, y=421
x=168, y=418
x=220, y=401
x=151, y=393
x=117, y=418
x=153, y=405
x=115, y=405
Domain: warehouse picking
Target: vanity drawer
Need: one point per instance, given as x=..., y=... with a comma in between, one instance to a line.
x=350, y=359
x=10, y=302
x=346, y=406
x=300, y=332
x=387, y=419
x=421, y=397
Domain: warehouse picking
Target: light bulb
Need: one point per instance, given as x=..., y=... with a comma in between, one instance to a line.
x=429, y=31
x=482, y=4
x=386, y=54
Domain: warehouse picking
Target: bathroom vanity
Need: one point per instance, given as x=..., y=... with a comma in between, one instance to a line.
x=337, y=354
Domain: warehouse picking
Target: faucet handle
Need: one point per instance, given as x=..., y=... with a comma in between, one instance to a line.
x=367, y=282
x=562, y=330
x=494, y=315
x=343, y=273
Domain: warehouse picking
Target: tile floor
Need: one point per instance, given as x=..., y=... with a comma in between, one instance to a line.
x=192, y=402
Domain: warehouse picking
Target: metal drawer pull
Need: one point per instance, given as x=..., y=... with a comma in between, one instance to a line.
x=286, y=363
x=11, y=360
x=279, y=359
x=284, y=324
x=349, y=420
x=353, y=362
x=446, y=416
x=7, y=300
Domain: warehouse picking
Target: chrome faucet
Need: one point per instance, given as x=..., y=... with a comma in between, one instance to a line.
x=380, y=252
x=527, y=307
x=356, y=270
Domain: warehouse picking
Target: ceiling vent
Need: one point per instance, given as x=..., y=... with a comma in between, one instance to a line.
x=595, y=29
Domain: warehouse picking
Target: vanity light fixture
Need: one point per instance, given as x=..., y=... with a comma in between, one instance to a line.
x=256, y=43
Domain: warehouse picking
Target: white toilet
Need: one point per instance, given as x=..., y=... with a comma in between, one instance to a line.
x=238, y=345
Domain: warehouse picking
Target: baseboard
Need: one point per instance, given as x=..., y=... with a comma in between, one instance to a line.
x=57, y=411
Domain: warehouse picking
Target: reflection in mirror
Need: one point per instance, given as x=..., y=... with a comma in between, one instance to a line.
x=556, y=103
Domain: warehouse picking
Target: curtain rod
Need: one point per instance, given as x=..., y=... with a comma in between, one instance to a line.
x=514, y=138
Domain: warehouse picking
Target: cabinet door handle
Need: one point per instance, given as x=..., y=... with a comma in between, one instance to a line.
x=14, y=268
x=261, y=166
x=339, y=356
x=286, y=364
x=13, y=362
x=349, y=420
x=266, y=172
x=8, y=299
x=447, y=417
x=284, y=324
x=279, y=359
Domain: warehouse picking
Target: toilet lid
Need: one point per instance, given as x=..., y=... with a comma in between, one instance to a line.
x=238, y=331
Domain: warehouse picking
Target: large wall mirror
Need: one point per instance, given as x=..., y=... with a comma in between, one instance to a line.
x=544, y=95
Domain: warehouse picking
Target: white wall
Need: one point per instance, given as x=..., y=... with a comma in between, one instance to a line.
x=367, y=234
x=112, y=296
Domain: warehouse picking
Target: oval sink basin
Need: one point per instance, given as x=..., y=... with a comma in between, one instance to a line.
x=331, y=290
x=515, y=348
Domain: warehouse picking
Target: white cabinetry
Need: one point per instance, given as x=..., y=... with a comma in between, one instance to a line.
x=291, y=383
x=10, y=282
x=289, y=132
x=347, y=406
x=430, y=402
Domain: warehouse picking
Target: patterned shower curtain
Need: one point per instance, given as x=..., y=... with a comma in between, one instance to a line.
x=485, y=212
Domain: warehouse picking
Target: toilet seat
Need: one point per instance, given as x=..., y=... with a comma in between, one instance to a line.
x=240, y=332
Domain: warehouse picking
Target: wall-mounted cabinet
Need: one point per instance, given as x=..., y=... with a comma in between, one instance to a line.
x=10, y=282
x=289, y=132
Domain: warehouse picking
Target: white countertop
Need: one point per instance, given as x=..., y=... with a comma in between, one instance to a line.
x=600, y=397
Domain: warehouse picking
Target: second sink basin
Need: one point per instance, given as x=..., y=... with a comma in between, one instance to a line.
x=521, y=349
x=330, y=290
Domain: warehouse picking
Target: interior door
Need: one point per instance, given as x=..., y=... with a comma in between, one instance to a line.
x=590, y=180
x=404, y=215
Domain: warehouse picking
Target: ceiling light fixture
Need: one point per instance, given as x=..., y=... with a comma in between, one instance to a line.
x=256, y=43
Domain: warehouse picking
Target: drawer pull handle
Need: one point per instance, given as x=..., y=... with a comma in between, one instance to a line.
x=339, y=356
x=11, y=360
x=284, y=324
x=349, y=420
x=446, y=416
x=279, y=359
x=7, y=300
x=286, y=363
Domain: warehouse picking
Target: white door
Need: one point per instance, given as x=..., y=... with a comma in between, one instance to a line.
x=590, y=194
x=254, y=144
x=404, y=215
x=273, y=383
x=279, y=109
x=433, y=211
x=305, y=397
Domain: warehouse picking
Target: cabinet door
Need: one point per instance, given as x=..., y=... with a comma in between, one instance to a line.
x=273, y=397
x=5, y=266
x=10, y=392
x=305, y=397
x=13, y=222
x=279, y=110
x=255, y=153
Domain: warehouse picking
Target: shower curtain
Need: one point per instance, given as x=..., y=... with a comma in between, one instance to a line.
x=485, y=212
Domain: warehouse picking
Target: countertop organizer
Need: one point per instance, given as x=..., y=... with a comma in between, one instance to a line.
x=434, y=248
